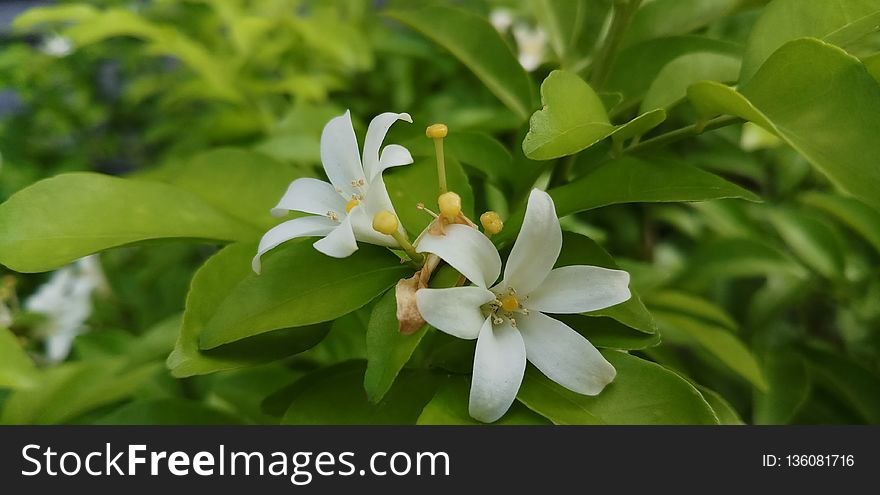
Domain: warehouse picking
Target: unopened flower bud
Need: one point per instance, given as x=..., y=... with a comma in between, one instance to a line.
x=491, y=222
x=437, y=131
x=385, y=222
x=450, y=205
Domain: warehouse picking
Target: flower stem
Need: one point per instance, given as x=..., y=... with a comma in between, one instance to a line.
x=408, y=248
x=684, y=133
x=622, y=15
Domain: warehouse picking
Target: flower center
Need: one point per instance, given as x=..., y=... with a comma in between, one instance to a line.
x=509, y=303
x=351, y=204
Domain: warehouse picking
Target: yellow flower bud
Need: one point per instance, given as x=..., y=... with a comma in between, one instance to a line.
x=491, y=222
x=450, y=205
x=385, y=222
x=436, y=131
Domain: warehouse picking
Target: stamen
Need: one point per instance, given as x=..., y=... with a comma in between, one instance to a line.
x=333, y=216
x=421, y=206
x=354, y=201
x=437, y=132
x=491, y=222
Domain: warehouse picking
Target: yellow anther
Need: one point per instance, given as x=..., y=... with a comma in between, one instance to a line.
x=491, y=222
x=450, y=205
x=385, y=222
x=351, y=204
x=437, y=131
x=509, y=303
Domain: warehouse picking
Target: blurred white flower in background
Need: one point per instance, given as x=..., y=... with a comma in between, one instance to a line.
x=57, y=46
x=531, y=42
x=66, y=303
x=532, y=45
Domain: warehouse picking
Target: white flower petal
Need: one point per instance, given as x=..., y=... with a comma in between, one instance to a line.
x=393, y=155
x=373, y=141
x=578, y=289
x=536, y=248
x=340, y=243
x=467, y=250
x=564, y=355
x=291, y=229
x=310, y=196
x=499, y=365
x=340, y=155
x=456, y=310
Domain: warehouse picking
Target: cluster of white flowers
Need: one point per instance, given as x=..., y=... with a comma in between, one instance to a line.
x=507, y=319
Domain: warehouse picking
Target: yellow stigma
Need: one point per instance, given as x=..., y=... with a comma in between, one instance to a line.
x=351, y=204
x=509, y=303
x=450, y=205
x=491, y=222
x=385, y=222
x=437, y=131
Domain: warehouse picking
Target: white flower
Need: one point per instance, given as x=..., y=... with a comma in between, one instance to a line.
x=508, y=319
x=501, y=19
x=57, y=46
x=532, y=45
x=66, y=302
x=341, y=211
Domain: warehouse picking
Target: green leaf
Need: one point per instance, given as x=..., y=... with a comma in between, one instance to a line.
x=300, y=286
x=642, y=393
x=167, y=412
x=637, y=66
x=210, y=288
x=449, y=406
x=335, y=396
x=71, y=390
x=562, y=20
x=839, y=21
x=417, y=183
x=387, y=349
x=821, y=101
x=17, y=370
x=858, y=216
x=581, y=250
x=789, y=387
x=811, y=240
x=473, y=41
x=255, y=181
x=482, y=152
x=847, y=380
x=718, y=341
x=692, y=306
x=61, y=219
x=661, y=18
x=609, y=333
x=670, y=86
x=726, y=414
x=573, y=119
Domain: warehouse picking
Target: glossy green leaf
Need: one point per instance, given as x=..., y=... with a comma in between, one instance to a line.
x=474, y=41
x=573, y=119
x=789, y=387
x=417, y=183
x=718, y=341
x=449, y=406
x=692, y=306
x=210, y=288
x=839, y=21
x=856, y=215
x=71, y=390
x=61, y=219
x=607, y=332
x=563, y=21
x=335, y=395
x=811, y=240
x=642, y=393
x=17, y=370
x=670, y=86
x=661, y=18
x=167, y=412
x=482, y=152
x=300, y=286
x=821, y=101
x=636, y=67
x=255, y=181
x=848, y=380
x=726, y=414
